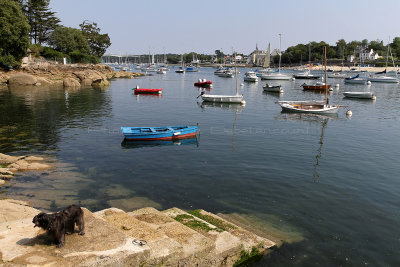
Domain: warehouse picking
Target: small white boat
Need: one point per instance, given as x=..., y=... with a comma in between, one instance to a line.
x=226, y=73
x=362, y=95
x=273, y=88
x=355, y=80
x=223, y=98
x=306, y=75
x=250, y=76
x=161, y=71
x=338, y=75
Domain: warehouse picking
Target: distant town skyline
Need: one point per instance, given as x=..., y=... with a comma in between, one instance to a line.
x=177, y=26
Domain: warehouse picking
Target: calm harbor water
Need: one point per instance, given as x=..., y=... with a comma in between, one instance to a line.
x=328, y=187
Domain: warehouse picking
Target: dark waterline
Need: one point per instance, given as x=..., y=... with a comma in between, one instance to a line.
x=328, y=186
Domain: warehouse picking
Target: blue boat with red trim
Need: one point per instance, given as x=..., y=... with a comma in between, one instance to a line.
x=159, y=133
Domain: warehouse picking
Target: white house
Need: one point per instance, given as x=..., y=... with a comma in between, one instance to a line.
x=371, y=55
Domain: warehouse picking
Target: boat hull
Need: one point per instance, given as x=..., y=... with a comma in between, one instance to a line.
x=384, y=80
x=314, y=109
x=355, y=81
x=360, y=95
x=157, y=91
x=316, y=87
x=277, y=76
x=159, y=133
x=203, y=84
x=223, y=98
x=273, y=89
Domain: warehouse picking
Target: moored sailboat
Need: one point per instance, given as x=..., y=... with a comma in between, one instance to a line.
x=316, y=108
x=224, y=98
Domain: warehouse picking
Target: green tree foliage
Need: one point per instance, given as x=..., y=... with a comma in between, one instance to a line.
x=42, y=20
x=67, y=40
x=98, y=43
x=395, y=47
x=14, y=33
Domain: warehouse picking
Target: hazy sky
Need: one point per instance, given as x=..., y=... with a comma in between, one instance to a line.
x=177, y=26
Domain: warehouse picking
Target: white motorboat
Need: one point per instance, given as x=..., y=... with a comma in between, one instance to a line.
x=250, y=76
x=162, y=71
x=226, y=73
x=338, y=75
x=306, y=75
x=362, y=95
x=273, y=88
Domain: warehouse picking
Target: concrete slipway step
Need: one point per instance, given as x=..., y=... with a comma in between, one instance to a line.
x=170, y=242
x=230, y=240
x=21, y=244
x=174, y=238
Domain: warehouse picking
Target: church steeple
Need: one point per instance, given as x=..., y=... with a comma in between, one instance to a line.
x=256, y=47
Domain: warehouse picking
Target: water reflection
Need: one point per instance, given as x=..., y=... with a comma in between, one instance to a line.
x=33, y=118
x=126, y=144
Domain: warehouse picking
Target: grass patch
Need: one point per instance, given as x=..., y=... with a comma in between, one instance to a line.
x=212, y=220
x=191, y=222
x=248, y=258
x=3, y=165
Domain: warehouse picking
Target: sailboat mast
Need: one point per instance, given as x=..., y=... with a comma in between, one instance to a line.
x=280, y=54
x=237, y=91
x=326, y=82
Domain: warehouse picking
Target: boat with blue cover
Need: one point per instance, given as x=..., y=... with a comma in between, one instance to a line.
x=159, y=133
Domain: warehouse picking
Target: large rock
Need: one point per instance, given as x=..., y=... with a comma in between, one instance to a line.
x=6, y=159
x=22, y=79
x=71, y=82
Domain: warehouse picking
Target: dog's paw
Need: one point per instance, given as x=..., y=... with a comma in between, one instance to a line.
x=60, y=245
x=81, y=233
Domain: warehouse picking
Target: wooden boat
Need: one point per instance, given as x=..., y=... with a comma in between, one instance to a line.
x=273, y=88
x=319, y=86
x=314, y=108
x=362, y=95
x=138, y=90
x=310, y=108
x=159, y=133
x=203, y=83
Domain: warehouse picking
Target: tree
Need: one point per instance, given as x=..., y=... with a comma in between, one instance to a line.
x=67, y=40
x=14, y=33
x=42, y=20
x=98, y=43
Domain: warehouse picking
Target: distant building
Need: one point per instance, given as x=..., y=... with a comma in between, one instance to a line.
x=371, y=55
x=351, y=58
x=257, y=57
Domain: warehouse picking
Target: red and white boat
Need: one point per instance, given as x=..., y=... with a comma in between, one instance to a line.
x=203, y=83
x=138, y=90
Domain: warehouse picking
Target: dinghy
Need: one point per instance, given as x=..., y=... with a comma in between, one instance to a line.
x=159, y=133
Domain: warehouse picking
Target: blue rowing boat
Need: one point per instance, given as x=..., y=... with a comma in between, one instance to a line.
x=159, y=133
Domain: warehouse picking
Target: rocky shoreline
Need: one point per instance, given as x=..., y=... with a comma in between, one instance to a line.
x=72, y=75
x=11, y=164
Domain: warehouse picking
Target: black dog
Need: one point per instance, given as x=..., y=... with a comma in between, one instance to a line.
x=60, y=223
